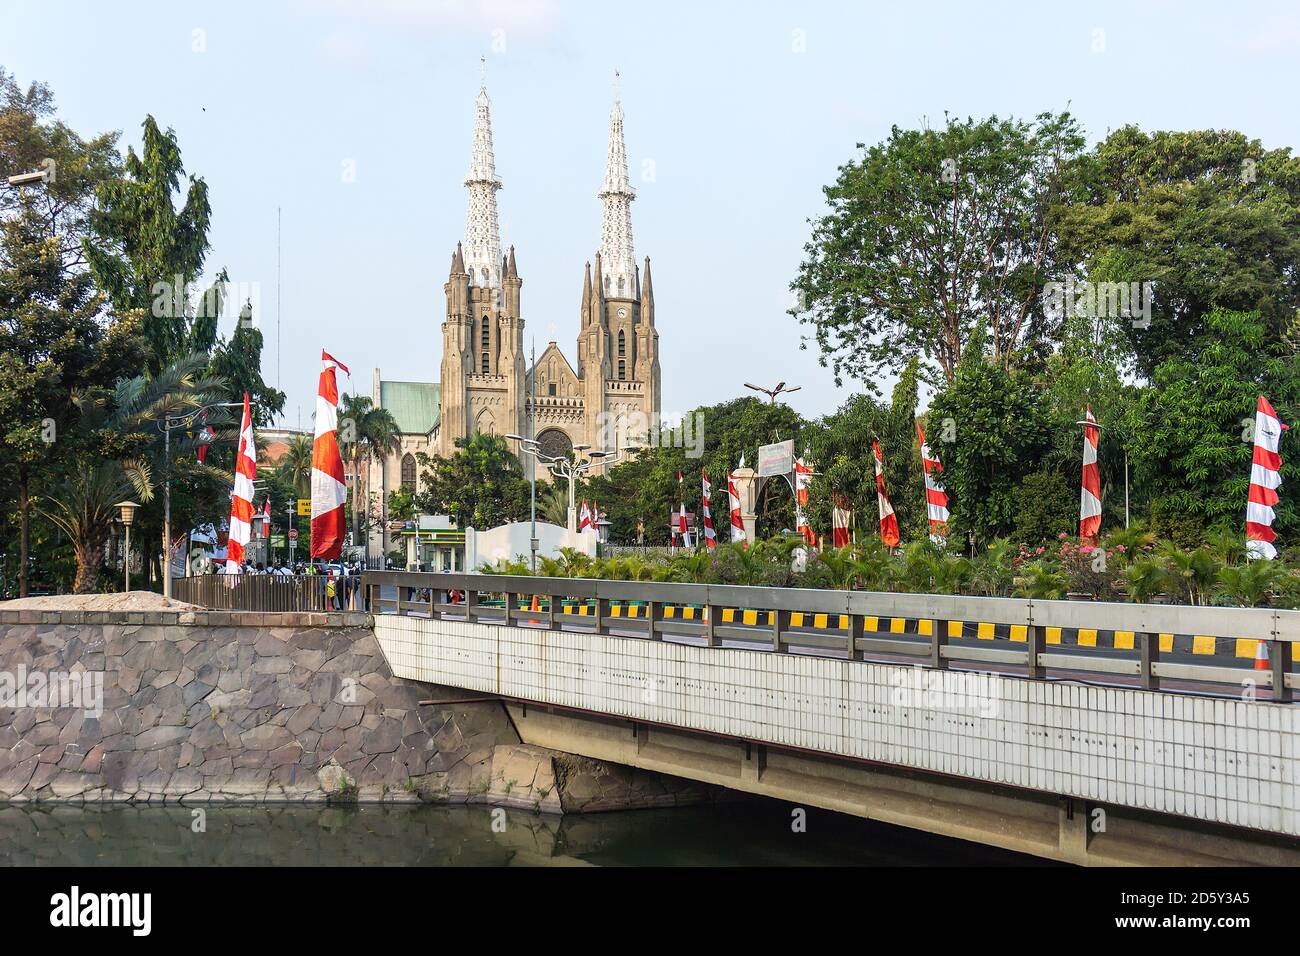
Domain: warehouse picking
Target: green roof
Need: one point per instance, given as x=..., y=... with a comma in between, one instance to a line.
x=415, y=405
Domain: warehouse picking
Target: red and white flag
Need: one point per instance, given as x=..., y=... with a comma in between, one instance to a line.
x=936, y=496
x=710, y=536
x=803, y=474
x=266, y=518
x=1090, y=495
x=733, y=508
x=682, y=529
x=241, y=500
x=888, y=520
x=1265, y=478
x=841, y=517
x=328, y=490
x=584, y=516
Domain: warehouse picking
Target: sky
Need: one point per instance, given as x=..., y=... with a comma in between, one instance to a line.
x=351, y=121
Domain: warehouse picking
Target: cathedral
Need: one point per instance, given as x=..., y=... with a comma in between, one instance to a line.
x=484, y=382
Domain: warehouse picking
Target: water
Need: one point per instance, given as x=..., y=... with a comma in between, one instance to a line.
x=749, y=833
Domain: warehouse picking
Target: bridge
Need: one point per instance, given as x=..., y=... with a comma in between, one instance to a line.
x=1085, y=732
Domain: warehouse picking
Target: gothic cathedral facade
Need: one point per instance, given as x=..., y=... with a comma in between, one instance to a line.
x=485, y=384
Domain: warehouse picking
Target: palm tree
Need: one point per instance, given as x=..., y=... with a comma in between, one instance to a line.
x=84, y=506
x=84, y=509
x=364, y=431
x=1196, y=571
x=1252, y=584
x=295, y=465
x=553, y=504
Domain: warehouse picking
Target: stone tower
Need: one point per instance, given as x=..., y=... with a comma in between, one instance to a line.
x=618, y=347
x=482, y=379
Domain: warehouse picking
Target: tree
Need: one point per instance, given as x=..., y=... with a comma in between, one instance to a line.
x=365, y=431
x=1209, y=217
x=85, y=507
x=237, y=361
x=53, y=336
x=481, y=485
x=999, y=432
x=294, y=466
x=1195, y=450
x=931, y=235
x=146, y=253
x=841, y=450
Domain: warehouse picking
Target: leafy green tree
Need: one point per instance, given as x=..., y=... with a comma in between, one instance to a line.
x=482, y=485
x=841, y=450
x=1209, y=217
x=933, y=234
x=54, y=338
x=147, y=253
x=999, y=431
x=1195, y=451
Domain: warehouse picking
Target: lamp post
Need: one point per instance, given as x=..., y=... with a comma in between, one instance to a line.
x=772, y=393
x=166, y=424
x=562, y=467
x=126, y=513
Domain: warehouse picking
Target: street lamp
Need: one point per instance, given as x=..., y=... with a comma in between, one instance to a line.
x=28, y=179
x=772, y=393
x=126, y=513
x=562, y=467
x=166, y=424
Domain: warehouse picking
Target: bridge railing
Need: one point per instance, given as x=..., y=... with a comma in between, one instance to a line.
x=1143, y=643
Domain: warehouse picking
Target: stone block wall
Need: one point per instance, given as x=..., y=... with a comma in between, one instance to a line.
x=234, y=706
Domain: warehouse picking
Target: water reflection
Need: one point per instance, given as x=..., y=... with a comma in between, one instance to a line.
x=753, y=833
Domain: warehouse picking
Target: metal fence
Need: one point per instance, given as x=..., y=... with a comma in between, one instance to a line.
x=1012, y=634
x=269, y=592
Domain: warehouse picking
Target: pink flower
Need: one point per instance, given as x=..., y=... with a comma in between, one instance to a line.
x=1062, y=536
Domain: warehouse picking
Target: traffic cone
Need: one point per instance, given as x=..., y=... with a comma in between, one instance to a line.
x=535, y=607
x=1261, y=656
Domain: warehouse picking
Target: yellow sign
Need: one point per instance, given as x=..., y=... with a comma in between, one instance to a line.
x=304, y=507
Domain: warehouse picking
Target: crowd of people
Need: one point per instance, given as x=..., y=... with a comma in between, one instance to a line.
x=340, y=580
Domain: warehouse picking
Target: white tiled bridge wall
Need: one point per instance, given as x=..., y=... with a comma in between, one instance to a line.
x=1230, y=761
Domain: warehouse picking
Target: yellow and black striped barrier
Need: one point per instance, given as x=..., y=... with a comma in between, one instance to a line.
x=1197, y=644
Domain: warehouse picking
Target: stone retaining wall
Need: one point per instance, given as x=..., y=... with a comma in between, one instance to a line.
x=250, y=707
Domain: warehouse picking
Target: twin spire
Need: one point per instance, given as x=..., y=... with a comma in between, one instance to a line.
x=482, y=233
x=482, y=257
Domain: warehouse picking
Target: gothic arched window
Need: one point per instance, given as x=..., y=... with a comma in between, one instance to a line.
x=408, y=472
x=486, y=337
x=487, y=365
x=622, y=370
x=622, y=345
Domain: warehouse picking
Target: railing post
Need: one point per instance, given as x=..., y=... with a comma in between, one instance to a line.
x=938, y=638
x=602, y=612
x=552, y=610
x=433, y=603
x=471, y=602
x=852, y=638
x=1281, y=656
x=511, y=598
x=1034, y=636
x=777, y=625
x=711, y=614
x=1148, y=657
x=651, y=608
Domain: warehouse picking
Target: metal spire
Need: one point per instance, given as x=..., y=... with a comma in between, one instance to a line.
x=618, y=260
x=482, y=232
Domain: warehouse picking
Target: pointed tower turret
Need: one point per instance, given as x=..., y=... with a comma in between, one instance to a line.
x=482, y=232
x=585, y=306
x=616, y=194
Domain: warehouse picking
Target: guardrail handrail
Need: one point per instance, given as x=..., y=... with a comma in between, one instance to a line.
x=1279, y=629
